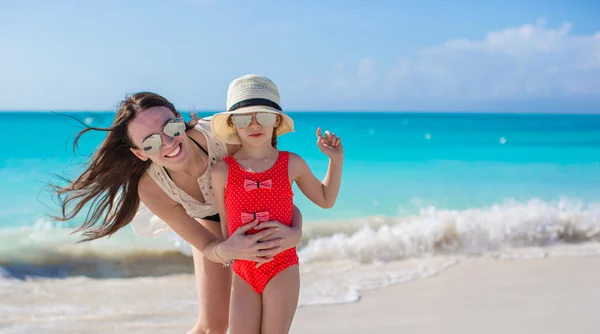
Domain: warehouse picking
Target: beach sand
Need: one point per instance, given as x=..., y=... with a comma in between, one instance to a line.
x=552, y=295
x=549, y=295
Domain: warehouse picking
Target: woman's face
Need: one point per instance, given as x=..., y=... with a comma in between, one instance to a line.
x=160, y=136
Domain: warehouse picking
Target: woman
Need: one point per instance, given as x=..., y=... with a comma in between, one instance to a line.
x=151, y=155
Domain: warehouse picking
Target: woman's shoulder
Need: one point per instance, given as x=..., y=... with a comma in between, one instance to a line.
x=201, y=133
x=203, y=124
x=205, y=137
x=150, y=191
x=203, y=127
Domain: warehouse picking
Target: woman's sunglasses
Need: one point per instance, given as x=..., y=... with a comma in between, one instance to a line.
x=174, y=128
x=263, y=118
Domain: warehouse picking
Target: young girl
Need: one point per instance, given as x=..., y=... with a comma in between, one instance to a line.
x=256, y=184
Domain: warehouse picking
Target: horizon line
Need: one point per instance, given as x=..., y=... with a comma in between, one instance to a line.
x=331, y=111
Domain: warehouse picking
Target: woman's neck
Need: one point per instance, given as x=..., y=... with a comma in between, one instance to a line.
x=196, y=163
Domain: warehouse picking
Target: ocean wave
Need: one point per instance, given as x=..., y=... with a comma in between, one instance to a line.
x=473, y=231
x=49, y=250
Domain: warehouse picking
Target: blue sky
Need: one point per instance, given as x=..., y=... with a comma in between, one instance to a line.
x=324, y=55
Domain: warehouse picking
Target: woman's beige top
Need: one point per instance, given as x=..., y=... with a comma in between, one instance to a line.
x=146, y=223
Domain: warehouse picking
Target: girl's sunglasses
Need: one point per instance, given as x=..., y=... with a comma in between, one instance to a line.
x=174, y=128
x=263, y=118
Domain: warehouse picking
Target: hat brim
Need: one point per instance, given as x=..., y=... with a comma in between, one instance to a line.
x=227, y=134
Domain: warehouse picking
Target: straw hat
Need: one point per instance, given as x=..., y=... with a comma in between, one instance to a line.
x=250, y=93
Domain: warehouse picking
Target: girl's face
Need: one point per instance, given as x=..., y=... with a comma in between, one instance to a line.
x=255, y=128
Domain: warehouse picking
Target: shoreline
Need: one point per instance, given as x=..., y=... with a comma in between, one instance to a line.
x=549, y=295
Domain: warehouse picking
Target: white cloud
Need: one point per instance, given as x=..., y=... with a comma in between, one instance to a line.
x=528, y=62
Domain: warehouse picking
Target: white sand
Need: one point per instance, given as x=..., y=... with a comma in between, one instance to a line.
x=554, y=295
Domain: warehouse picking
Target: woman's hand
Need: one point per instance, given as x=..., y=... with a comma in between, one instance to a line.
x=242, y=246
x=287, y=235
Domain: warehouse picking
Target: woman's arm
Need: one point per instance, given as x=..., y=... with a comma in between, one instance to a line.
x=293, y=237
x=237, y=246
x=297, y=221
x=175, y=216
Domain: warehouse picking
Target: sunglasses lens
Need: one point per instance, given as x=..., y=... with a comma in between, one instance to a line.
x=152, y=144
x=241, y=121
x=266, y=119
x=174, y=128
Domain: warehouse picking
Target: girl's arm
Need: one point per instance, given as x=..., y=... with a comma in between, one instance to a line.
x=219, y=179
x=323, y=193
x=218, y=176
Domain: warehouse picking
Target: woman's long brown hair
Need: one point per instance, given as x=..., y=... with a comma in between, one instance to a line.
x=110, y=181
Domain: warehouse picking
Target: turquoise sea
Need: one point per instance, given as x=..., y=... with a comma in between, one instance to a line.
x=415, y=186
x=396, y=163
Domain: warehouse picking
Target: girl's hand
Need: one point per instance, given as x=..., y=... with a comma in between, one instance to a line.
x=331, y=145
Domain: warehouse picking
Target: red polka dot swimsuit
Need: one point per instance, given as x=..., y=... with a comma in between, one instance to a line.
x=264, y=196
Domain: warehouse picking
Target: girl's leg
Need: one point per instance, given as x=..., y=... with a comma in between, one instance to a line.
x=279, y=300
x=213, y=286
x=245, y=313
